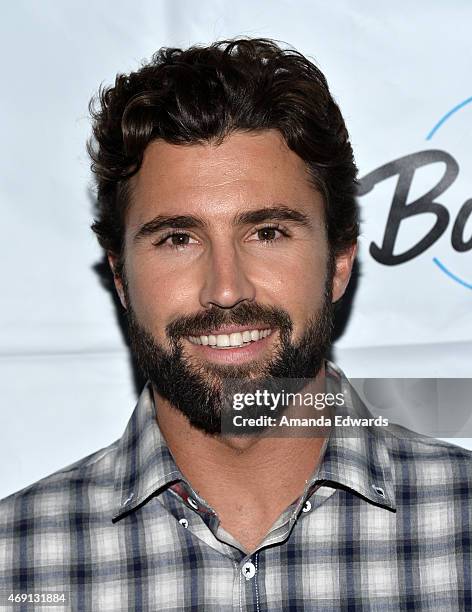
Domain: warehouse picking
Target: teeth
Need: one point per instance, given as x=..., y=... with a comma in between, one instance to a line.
x=230, y=340
x=236, y=339
x=222, y=340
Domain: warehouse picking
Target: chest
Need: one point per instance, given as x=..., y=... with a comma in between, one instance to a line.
x=249, y=525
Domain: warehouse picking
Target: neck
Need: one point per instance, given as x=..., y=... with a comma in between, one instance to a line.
x=255, y=469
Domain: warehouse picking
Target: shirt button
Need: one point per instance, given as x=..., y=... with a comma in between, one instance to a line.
x=192, y=503
x=380, y=492
x=306, y=506
x=184, y=522
x=248, y=570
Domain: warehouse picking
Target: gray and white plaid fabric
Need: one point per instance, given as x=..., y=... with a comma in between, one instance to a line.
x=384, y=524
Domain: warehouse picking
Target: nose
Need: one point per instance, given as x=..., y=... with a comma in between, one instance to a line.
x=226, y=281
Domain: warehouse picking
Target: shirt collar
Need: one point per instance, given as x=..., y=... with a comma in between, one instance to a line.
x=144, y=463
x=355, y=457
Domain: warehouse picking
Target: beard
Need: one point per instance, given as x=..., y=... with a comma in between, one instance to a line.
x=201, y=390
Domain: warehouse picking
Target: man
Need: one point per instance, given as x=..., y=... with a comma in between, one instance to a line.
x=226, y=206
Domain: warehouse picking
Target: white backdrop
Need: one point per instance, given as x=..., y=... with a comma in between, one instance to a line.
x=401, y=73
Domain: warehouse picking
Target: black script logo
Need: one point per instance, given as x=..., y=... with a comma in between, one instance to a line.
x=400, y=209
x=428, y=206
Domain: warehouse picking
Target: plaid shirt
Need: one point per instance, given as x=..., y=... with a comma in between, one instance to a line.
x=383, y=524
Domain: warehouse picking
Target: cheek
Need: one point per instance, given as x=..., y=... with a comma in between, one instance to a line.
x=294, y=280
x=158, y=295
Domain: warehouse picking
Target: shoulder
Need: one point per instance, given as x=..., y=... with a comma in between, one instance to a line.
x=92, y=476
x=45, y=524
x=422, y=446
x=421, y=461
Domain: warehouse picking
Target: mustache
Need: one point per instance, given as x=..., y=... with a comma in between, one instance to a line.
x=244, y=313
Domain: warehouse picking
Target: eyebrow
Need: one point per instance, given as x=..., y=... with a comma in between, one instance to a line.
x=271, y=213
x=163, y=222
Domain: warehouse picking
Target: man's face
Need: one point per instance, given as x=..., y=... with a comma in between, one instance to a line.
x=226, y=245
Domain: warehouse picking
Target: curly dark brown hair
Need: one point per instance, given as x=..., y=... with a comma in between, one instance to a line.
x=203, y=94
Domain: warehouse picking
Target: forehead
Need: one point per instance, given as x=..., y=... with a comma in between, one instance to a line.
x=247, y=170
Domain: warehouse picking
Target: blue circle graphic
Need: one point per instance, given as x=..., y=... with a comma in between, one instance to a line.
x=439, y=124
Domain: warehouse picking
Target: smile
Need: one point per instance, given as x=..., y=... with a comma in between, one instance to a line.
x=233, y=340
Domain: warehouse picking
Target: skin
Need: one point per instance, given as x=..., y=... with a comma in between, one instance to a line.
x=248, y=481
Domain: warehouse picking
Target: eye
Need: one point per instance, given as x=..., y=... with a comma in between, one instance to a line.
x=175, y=240
x=268, y=233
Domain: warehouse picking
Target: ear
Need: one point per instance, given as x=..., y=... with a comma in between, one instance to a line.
x=342, y=272
x=112, y=261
